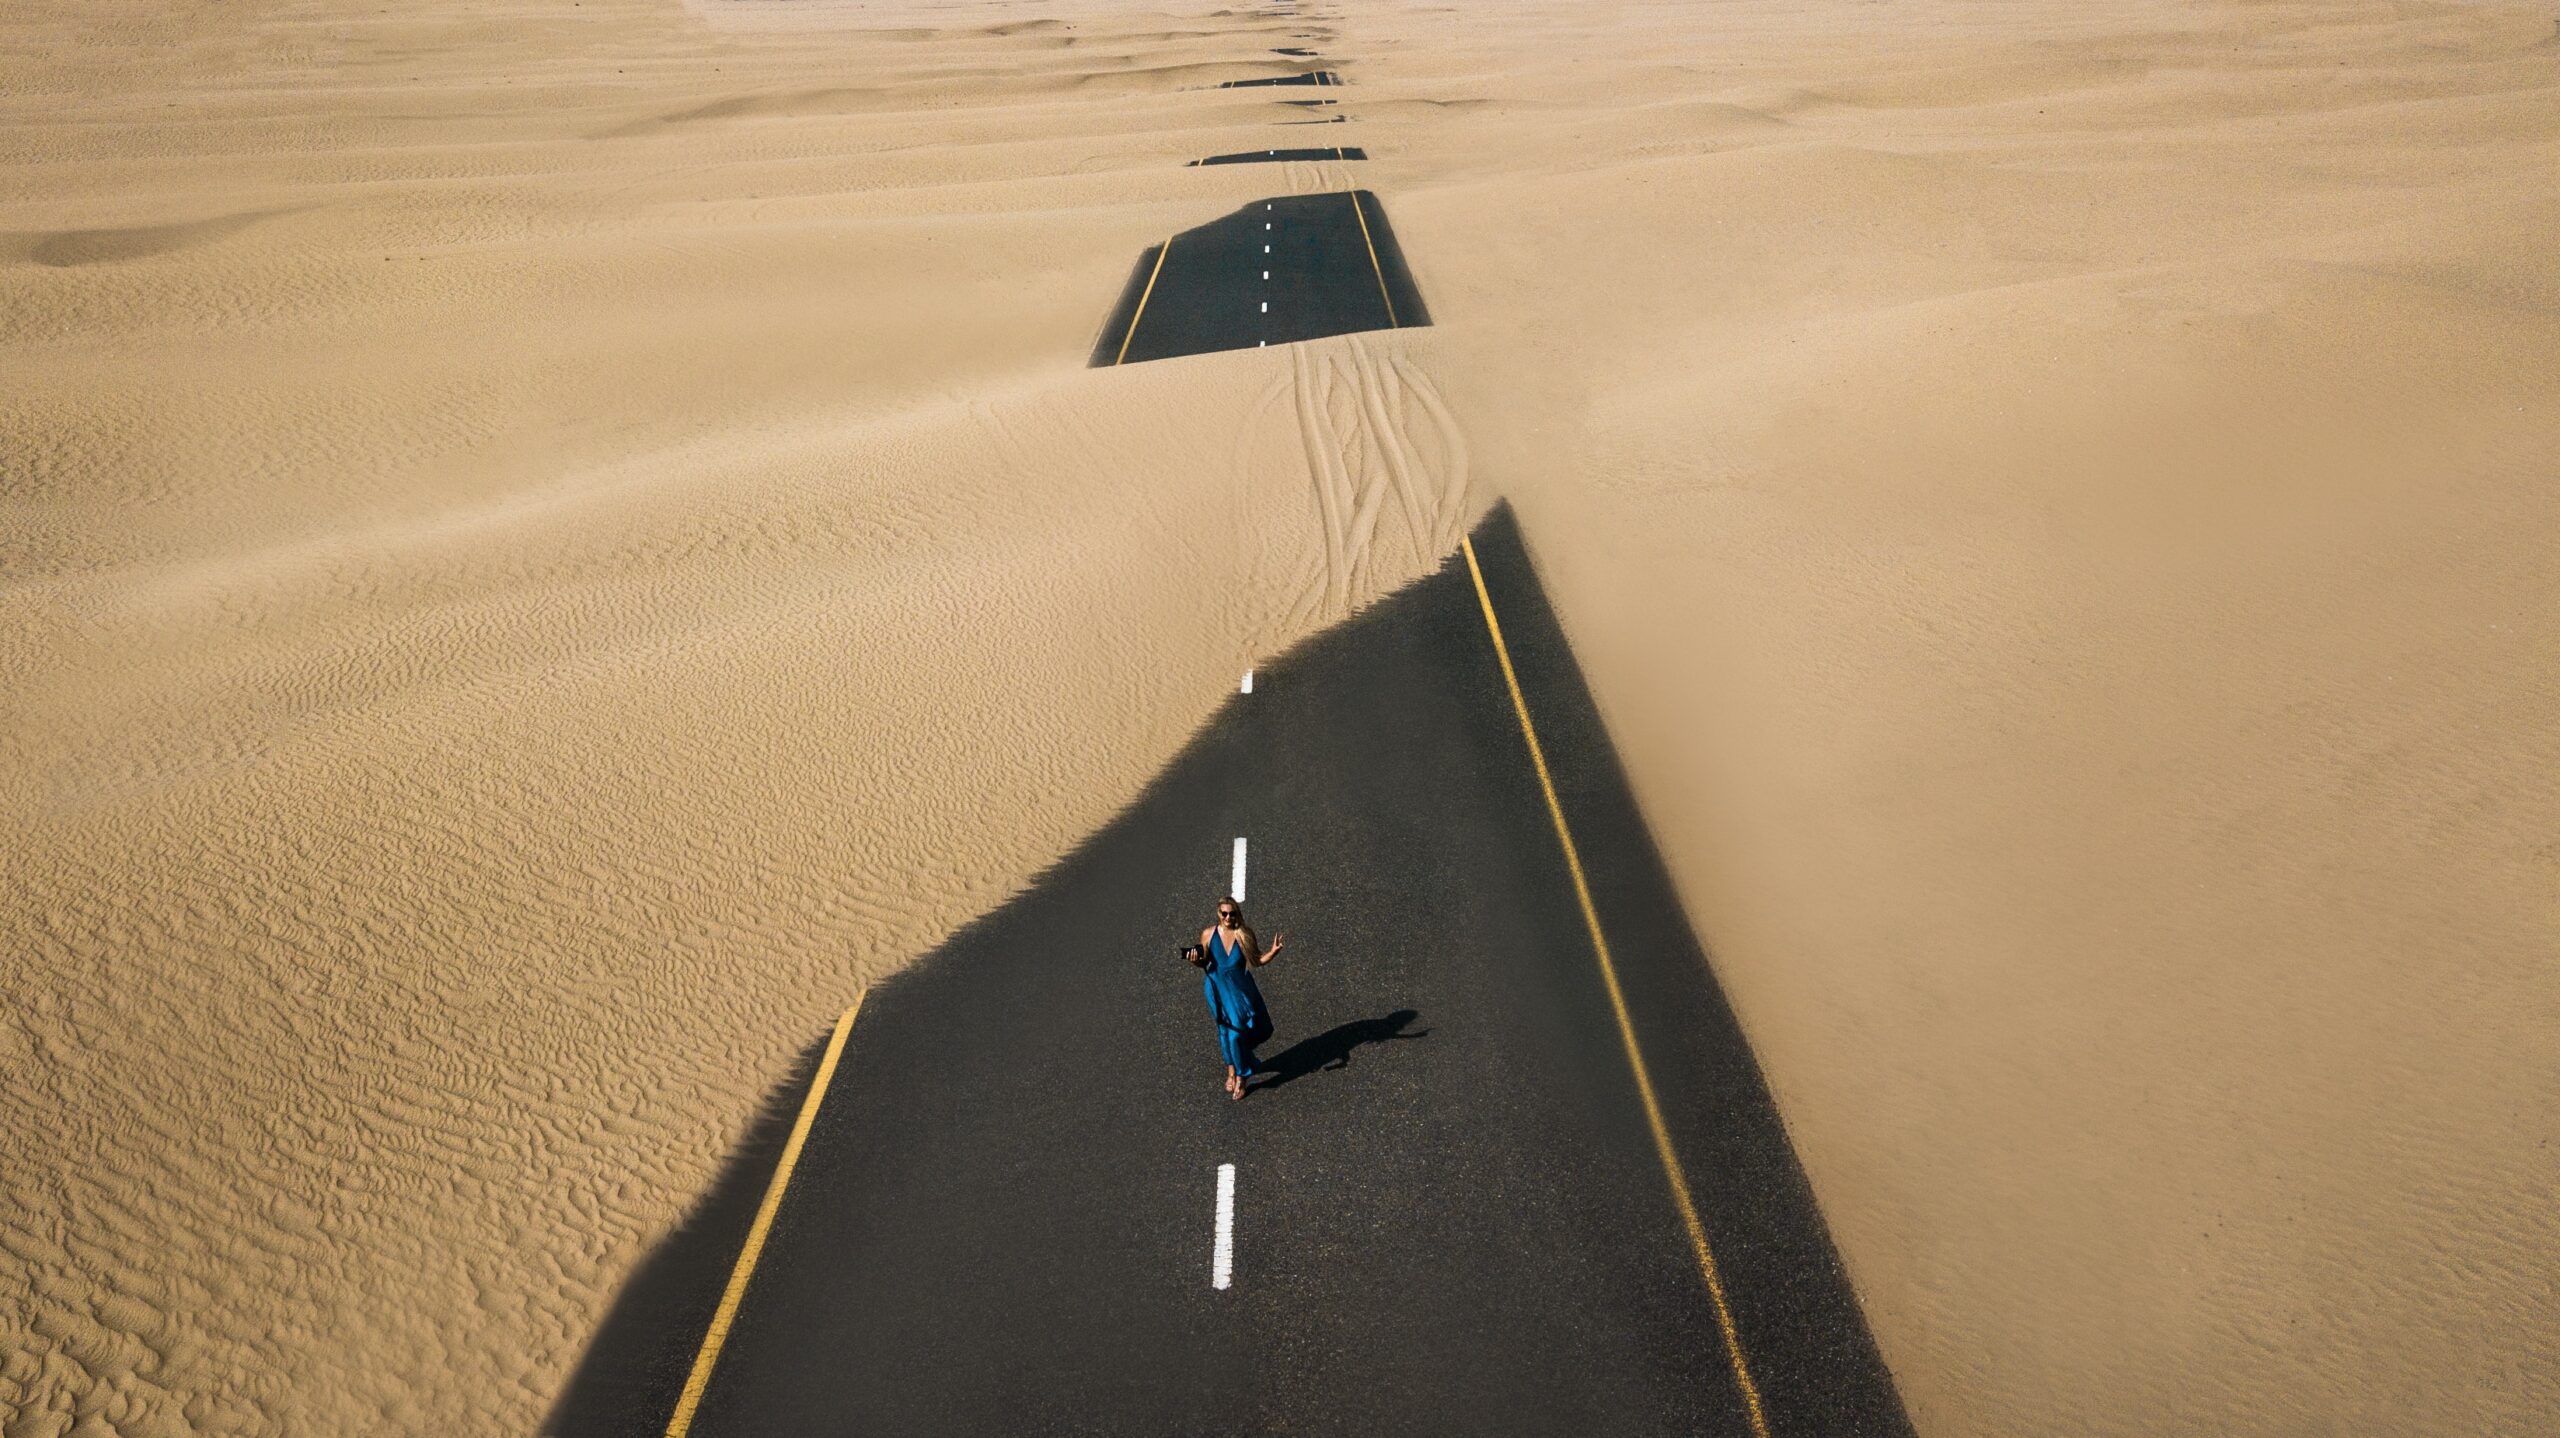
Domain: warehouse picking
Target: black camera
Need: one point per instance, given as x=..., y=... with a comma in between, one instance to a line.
x=1195, y=956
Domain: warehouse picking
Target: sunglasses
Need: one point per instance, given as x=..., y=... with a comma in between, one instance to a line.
x=1230, y=913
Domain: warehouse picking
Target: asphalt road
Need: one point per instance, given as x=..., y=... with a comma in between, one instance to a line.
x=1450, y=1213
x=1308, y=77
x=1293, y=267
x=1270, y=157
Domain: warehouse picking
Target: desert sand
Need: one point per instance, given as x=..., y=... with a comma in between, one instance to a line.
x=542, y=546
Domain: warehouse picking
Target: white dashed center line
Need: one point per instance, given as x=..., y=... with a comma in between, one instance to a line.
x=1235, y=886
x=1222, y=1258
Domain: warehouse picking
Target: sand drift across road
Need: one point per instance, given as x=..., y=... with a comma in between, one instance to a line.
x=1511, y=1169
x=1279, y=271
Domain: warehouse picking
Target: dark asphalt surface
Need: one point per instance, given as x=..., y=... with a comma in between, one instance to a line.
x=1269, y=157
x=1332, y=267
x=1450, y=1214
x=1310, y=77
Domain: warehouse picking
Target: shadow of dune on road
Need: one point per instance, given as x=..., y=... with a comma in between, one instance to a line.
x=627, y=1381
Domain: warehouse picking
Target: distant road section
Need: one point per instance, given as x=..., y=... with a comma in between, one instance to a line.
x=1294, y=267
x=1310, y=77
x=1270, y=157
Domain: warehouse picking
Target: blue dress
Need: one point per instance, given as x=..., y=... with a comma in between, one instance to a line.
x=1235, y=1003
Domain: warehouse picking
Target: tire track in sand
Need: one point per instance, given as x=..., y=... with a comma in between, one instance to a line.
x=1382, y=453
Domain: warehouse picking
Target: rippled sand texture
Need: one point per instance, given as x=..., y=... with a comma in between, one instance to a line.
x=544, y=544
x=2058, y=502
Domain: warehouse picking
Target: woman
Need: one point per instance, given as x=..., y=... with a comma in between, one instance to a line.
x=1229, y=953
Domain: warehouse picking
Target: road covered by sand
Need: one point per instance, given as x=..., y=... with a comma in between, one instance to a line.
x=544, y=545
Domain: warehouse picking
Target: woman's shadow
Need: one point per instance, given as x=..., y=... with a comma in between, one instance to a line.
x=1332, y=1048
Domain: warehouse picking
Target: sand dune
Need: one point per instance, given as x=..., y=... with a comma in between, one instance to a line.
x=545, y=546
x=2099, y=478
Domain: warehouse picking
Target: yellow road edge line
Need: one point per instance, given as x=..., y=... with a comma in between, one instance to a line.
x=1143, y=296
x=1626, y=1027
x=718, y=1334
x=1374, y=267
